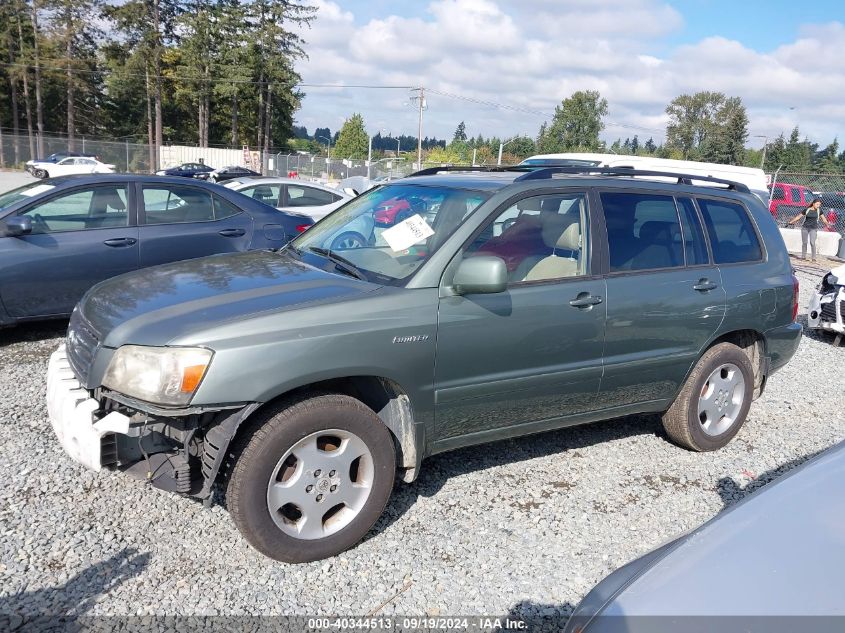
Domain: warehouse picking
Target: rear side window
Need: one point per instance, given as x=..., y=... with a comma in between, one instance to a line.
x=778, y=194
x=732, y=235
x=643, y=231
x=224, y=208
x=695, y=248
x=309, y=197
x=171, y=204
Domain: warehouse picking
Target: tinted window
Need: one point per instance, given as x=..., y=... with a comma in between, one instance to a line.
x=268, y=194
x=731, y=233
x=94, y=208
x=309, y=196
x=643, y=231
x=539, y=238
x=778, y=194
x=695, y=248
x=174, y=203
x=224, y=208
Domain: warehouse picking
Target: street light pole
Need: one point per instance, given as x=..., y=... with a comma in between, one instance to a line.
x=502, y=146
x=765, y=145
x=328, y=156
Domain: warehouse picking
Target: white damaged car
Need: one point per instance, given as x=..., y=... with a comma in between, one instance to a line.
x=827, y=306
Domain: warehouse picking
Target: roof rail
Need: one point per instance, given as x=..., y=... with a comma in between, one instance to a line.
x=683, y=179
x=429, y=171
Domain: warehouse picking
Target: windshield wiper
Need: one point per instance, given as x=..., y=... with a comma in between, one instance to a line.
x=341, y=262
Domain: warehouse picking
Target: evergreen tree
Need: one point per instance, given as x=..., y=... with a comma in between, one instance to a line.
x=352, y=141
x=460, y=132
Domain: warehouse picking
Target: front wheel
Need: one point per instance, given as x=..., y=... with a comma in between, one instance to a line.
x=312, y=478
x=40, y=173
x=714, y=401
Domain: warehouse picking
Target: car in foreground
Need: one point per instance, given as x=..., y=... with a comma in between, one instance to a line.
x=232, y=171
x=826, y=311
x=70, y=166
x=780, y=549
x=303, y=380
x=188, y=170
x=292, y=194
x=61, y=236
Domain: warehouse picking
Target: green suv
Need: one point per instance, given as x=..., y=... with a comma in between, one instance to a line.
x=513, y=301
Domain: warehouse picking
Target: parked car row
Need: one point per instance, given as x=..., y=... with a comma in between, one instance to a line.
x=201, y=171
x=67, y=165
x=518, y=301
x=60, y=236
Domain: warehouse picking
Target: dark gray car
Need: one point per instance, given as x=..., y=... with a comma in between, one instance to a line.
x=61, y=236
x=521, y=301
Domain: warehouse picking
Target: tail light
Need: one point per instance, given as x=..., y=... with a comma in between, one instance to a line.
x=301, y=228
x=794, y=297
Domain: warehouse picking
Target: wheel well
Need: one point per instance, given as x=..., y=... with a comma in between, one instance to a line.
x=390, y=403
x=753, y=345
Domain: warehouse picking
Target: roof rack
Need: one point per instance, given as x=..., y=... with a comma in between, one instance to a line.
x=429, y=171
x=540, y=172
x=683, y=179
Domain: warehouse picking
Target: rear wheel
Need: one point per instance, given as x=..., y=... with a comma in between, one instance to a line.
x=41, y=173
x=714, y=402
x=348, y=240
x=312, y=478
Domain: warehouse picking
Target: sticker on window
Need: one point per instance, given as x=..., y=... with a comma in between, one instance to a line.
x=407, y=233
x=37, y=189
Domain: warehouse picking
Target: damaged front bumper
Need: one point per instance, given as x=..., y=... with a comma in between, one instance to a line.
x=827, y=310
x=180, y=452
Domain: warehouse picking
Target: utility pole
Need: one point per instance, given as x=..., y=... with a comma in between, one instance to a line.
x=422, y=105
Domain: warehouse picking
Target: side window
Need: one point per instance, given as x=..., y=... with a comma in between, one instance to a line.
x=268, y=194
x=695, y=248
x=176, y=204
x=643, y=231
x=539, y=238
x=309, y=197
x=732, y=235
x=778, y=194
x=224, y=209
x=94, y=208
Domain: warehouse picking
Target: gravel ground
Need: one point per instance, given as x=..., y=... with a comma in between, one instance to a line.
x=523, y=527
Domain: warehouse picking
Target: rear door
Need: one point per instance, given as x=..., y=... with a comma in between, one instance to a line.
x=665, y=297
x=183, y=221
x=79, y=237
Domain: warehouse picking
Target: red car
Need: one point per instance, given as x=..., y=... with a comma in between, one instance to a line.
x=393, y=211
x=788, y=199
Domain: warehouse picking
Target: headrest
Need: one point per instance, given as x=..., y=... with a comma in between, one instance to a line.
x=111, y=199
x=561, y=231
x=530, y=204
x=653, y=231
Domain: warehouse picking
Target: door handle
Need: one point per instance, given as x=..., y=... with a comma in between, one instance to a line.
x=704, y=285
x=232, y=232
x=117, y=242
x=585, y=300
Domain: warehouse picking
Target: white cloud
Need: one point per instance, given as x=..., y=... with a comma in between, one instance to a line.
x=533, y=53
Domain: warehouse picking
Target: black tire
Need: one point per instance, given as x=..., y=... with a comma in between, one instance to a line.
x=257, y=456
x=347, y=240
x=40, y=173
x=681, y=420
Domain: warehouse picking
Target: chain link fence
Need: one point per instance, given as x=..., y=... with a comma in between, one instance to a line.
x=125, y=155
x=793, y=192
x=321, y=168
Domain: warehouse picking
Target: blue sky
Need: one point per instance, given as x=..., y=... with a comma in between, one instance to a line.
x=784, y=59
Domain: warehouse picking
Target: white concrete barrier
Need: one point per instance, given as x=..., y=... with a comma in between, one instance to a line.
x=827, y=242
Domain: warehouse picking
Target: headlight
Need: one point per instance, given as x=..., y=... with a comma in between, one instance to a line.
x=161, y=375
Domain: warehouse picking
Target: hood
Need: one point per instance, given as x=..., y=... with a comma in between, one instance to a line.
x=156, y=305
x=839, y=273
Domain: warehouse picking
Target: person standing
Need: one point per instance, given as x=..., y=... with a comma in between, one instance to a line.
x=812, y=215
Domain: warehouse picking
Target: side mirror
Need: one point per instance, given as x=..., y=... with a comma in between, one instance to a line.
x=481, y=275
x=18, y=225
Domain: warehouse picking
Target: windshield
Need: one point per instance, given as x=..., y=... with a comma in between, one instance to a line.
x=387, y=233
x=21, y=193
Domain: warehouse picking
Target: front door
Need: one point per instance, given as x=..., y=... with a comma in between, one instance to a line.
x=533, y=352
x=78, y=238
x=666, y=297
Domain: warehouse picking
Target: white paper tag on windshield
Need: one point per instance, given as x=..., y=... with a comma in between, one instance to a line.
x=407, y=233
x=37, y=189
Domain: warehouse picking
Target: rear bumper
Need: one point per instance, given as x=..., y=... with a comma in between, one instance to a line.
x=73, y=415
x=782, y=343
